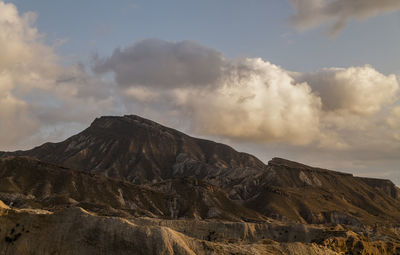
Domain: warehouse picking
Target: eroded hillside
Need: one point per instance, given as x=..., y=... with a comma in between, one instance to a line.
x=127, y=184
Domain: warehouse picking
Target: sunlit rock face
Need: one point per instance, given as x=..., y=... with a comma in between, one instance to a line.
x=133, y=179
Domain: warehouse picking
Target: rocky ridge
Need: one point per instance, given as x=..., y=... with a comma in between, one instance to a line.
x=29, y=183
x=140, y=151
x=76, y=231
x=135, y=179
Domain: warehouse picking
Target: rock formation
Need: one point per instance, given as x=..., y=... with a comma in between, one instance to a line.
x=127, y=184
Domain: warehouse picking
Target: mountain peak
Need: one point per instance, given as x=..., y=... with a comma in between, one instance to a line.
x=110, y=121
x=141, y=151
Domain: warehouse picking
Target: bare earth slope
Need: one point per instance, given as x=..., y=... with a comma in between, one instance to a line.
x=141, y=151
x=76, y=231
x=294, y=191
x=155, y=190
x=29, y=183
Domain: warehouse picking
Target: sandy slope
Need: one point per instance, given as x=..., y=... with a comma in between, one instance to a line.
x=76, y=231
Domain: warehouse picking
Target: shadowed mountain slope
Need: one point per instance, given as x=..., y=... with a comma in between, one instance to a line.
x=298, y=192
x=141, y=151
x=29, y=183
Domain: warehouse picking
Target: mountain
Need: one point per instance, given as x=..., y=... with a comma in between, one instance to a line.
x=191, y=195
x=140, y=151
x=307, y=194
x=29, y=183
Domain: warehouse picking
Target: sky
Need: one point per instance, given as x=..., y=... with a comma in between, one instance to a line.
x=315, y=81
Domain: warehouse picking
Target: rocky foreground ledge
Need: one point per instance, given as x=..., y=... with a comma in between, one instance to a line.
x=77, y=231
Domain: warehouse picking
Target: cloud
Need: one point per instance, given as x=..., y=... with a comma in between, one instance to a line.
x=359, y=90
x=254, y=101
x=157, y=63
x=394, y=117
x=394, y=122
x=37, y=94
x=246, y=99
x=14, y=114
x=348, y=113
x=312, y=13
x=20, y=63
x=355, y=102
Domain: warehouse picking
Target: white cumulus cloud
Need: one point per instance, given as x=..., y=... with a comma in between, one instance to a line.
x=360, y=90
x=254, y=100
x=36, y=92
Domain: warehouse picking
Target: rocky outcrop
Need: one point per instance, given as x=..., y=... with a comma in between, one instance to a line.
x=355, y=244
x=29, y=183
x=3, y=206
x=293, y=191
x=385, y=186
x=76, y=231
